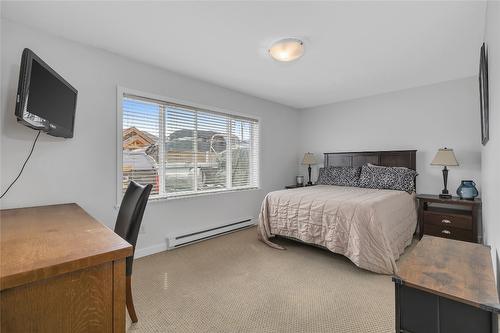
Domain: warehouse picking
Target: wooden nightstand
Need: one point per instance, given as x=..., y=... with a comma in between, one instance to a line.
x=450, y=218
x=297, y=186
x=293, y=186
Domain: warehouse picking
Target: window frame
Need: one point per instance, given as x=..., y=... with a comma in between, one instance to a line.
x=121, y=91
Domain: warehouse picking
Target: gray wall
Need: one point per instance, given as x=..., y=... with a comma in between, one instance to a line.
x=83, y=169
x=491, y=152
x=425, y=118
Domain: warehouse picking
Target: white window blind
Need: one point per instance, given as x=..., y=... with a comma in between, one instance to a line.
x=185, y=150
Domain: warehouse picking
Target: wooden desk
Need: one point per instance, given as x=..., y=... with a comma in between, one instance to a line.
x=446, y=286
x=60, y=271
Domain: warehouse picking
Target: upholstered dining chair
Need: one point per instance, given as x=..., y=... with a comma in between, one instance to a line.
x=127, y=226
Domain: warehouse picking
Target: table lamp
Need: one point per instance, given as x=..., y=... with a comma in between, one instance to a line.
x=445, y=157
x=309, y=160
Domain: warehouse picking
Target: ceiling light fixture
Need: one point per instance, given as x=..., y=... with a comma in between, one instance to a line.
x=287, y=49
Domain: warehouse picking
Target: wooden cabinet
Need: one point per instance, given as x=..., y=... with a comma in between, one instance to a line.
x=60, y=271
x=425, y=312
x=450, y=218
x=446, y=286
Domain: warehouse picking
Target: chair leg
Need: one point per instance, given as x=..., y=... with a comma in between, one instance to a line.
x=130, y=301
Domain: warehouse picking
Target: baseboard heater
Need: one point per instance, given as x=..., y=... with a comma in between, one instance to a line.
x=198, y=236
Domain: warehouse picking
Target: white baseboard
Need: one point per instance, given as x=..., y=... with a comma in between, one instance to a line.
x=146, y=251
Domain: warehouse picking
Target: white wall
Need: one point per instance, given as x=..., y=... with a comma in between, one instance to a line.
x=83, y=169
x=425, y=118
x=491, y=152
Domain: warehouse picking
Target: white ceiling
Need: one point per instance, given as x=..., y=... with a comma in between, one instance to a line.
x=353, y=49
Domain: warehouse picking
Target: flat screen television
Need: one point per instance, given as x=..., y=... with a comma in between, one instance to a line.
x=45, y=101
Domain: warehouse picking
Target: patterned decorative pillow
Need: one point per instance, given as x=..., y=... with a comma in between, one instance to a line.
x=341, y=176
x=389, y=178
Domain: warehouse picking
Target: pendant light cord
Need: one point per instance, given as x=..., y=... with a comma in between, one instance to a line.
x=24, y=164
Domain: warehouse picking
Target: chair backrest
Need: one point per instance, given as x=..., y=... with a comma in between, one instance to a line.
x=130, y=215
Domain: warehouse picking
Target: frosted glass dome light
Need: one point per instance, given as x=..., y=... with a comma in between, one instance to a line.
x=287, y=49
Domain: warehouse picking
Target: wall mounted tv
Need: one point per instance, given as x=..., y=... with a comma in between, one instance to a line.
x=45, y=101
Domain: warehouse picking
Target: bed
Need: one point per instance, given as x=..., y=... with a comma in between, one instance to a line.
x=371, y=227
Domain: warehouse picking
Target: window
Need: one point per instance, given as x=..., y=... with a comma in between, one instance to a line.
x=185, y=150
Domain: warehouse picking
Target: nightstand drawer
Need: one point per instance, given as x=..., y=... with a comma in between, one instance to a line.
x=448, y=232
x=448, y=220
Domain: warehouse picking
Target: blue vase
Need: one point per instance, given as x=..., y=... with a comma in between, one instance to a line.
x=467, y=190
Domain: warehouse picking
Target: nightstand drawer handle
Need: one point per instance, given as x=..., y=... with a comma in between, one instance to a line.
x=447, y=232
x=446, y=221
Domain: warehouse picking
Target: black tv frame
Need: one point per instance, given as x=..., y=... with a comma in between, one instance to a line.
x=32, y=120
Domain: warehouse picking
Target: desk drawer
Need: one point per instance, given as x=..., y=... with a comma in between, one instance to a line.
x=448, y=232
x=80, y=301
x=448, y=220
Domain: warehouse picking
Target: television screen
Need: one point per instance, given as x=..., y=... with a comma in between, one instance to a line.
x=45, y=101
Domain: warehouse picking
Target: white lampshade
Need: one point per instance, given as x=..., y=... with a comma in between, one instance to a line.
x=309, y=159
x=287, y=49
x=445, y=157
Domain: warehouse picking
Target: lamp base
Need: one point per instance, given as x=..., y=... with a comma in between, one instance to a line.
x=444, y=193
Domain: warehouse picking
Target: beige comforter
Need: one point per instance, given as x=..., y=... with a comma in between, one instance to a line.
x=370, y=227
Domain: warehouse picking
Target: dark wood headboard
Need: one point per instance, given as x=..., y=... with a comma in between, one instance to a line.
x=390, y=158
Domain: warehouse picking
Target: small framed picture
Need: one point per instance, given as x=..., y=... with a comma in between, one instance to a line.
x=300, y=180
x=483, y=95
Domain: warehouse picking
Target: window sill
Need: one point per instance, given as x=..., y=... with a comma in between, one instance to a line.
x=201, y=194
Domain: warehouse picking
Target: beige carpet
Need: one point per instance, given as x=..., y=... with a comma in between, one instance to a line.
x=234, y=283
